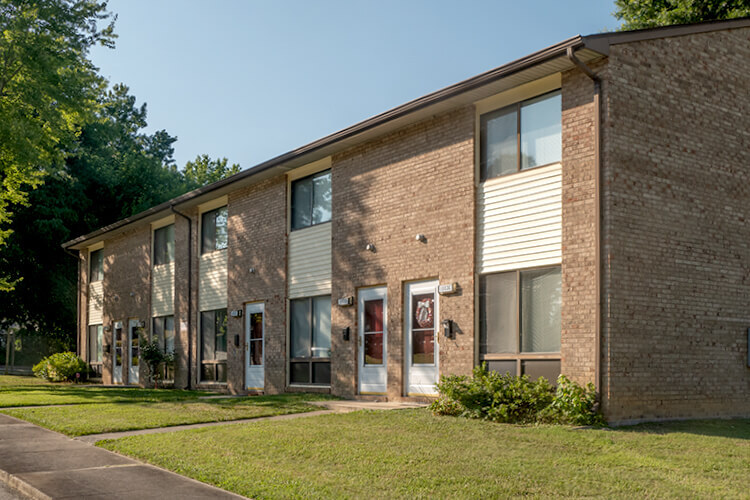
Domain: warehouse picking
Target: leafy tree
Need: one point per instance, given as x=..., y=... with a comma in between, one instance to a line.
x=113, y=171
x=48, y=88
x=203, y=170
x=638, y=14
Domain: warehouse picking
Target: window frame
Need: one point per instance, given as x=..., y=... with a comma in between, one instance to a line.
x=98, y=357
x=205, y=249
x=99, y=256
x=168, y=373
x=215, y=362
x=311, y=178
x=157, y=252
x=516, y=107
x=519, y=357
x=310, y=360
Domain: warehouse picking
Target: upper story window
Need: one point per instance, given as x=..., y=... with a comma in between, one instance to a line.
x=311, y=200
x=164, y=245
x=96, y=267
x=524, y=135
x=214, y=230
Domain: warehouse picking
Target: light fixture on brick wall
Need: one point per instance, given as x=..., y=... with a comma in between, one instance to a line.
x=421, y=238
x=251, y=270
x=370, y=247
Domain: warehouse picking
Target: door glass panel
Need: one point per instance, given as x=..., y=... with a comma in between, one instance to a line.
x=373, y=332
x=422, y=307
x=134, y=347
x=256, y=339
x=374, y=315
x=373, y=348
x=423, y=347
x=423, y=332
x=118, y=347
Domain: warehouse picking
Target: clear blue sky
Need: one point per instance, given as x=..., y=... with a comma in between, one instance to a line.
x=249, y=80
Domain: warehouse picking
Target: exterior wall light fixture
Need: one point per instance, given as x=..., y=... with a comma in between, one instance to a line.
x=421, y=238
x=370, y=247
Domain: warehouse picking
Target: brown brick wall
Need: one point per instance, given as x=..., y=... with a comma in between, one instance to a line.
x=417, y=180
x=257, y=239
x=579, y=225
x=127, y=289
x=185, y=325
x=676, y=220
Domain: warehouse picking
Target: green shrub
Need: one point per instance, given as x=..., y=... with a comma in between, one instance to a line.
x=154, y=357
x=573, y=404
x=489, y=395
x=61, y=367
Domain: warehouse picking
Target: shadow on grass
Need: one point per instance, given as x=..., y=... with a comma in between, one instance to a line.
x=738, y=428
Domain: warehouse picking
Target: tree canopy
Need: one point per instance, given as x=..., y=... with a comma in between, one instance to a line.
x=203, y=170
x=637, y=14
x=48, y=88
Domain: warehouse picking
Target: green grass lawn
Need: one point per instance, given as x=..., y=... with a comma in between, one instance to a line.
x=411, y=453
x=82, y=419
x=31, y=391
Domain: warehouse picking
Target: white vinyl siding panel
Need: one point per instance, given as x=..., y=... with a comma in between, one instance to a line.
x=212, y=281
x=520, y=220
x=96, y=298
x=162, y=290
x=310, y=261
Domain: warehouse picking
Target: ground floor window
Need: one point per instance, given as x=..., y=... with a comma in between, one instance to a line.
x=520, y=321
x=310, y=345
x=96, y=347
x=214, y=346
x=163, y=333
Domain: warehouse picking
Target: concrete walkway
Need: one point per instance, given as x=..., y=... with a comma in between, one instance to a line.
x=45, y=465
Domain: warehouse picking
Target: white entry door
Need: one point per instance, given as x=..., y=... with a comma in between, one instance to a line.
x=372, y=334
x=117, y=341
x=422, y=318
x=134, y=352
x=254, y=346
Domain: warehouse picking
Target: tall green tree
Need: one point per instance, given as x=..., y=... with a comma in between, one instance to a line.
x=203, y=170
x=113, y=170
x=637, y=14
x=48, y=88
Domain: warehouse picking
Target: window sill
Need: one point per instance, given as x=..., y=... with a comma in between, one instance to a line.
x=294, y=230
x=501, y=178
x=522, y=356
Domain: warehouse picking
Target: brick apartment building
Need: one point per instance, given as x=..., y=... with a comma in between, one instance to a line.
x=582, y=210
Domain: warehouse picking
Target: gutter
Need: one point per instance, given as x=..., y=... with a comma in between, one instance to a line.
x=597, y=204
x=189, y=294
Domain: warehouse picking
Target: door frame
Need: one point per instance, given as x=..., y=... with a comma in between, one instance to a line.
x=252, y=308
x=117, y=373
x=370, y=293
x=421, y=370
